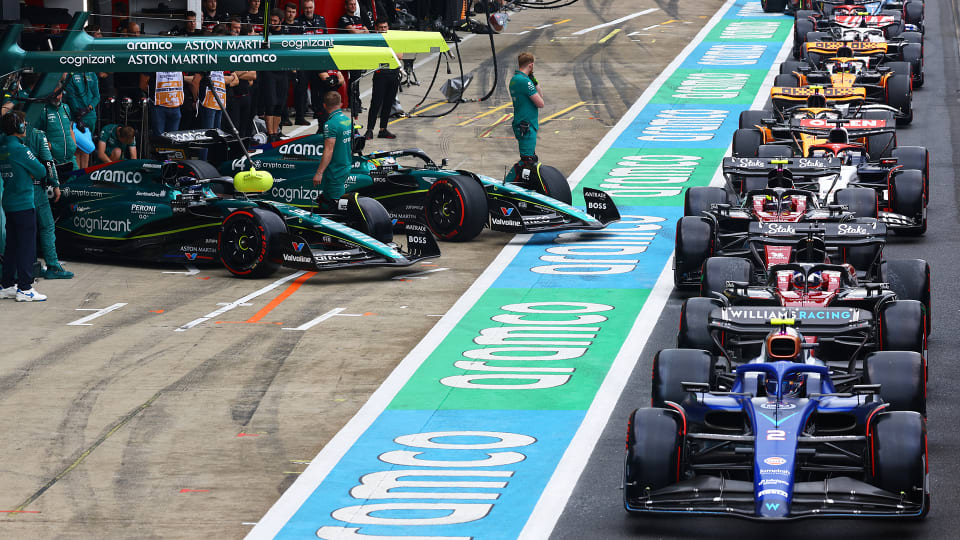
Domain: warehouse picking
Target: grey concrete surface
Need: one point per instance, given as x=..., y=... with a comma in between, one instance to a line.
x=128, y=429
x=596, y=507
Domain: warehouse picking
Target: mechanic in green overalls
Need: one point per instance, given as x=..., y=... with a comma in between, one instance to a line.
x=55, y=123
x=19, y=169
x=82, y=94
x=116, y=143
x=527, y=102
x=36, y=141
x=337, y=158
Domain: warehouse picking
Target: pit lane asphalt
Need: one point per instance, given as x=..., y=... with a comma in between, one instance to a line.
x=595, y=509
x=126, y=428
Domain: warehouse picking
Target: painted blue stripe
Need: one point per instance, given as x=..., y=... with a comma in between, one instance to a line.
x=507, y=515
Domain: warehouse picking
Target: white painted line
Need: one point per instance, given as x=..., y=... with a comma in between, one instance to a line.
x=191, y=270
x=557, y=492
x=542, y=26
x=321, y=465
x=239, y=302
x=419, y=275
x=618, y=21
x=335, y=312
x=647, y=28
x=92, y=316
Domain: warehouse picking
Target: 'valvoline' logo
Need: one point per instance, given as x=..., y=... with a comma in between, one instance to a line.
x=506, y=211
x=298, y=246
x=190, y=256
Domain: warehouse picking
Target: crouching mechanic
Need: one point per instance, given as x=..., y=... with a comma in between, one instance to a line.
x=116, y=143
x=18, y=170
x=337, y=158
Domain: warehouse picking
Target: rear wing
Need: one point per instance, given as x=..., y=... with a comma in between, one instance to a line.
x=859, y=48
x=857, y=232
x=785, y=97
x=800, y=167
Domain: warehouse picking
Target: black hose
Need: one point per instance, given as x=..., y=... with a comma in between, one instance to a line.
x=456, y=45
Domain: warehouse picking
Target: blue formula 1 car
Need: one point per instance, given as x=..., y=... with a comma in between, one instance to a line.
x=779, y=443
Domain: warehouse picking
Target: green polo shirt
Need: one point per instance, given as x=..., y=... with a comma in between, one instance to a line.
x=521, y=88
x=339, y=127
x=18, y=168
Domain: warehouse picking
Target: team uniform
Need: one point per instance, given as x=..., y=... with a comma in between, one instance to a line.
x=18, y=169
x=307, y=79
x=526, y=116
x=168, y=97
x=55, y=123
x=210, y=113
x=338, y=127
x=82, y=94
x=347, y=22
x=108, y=135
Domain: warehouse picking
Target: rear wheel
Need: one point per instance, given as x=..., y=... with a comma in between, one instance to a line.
x=700, y=199
x=671, y=367
x=695, y=324
x=902, y=379
x=773, y=6
x=861, y=201
x=902, y=326
x=899, y=91
x=898, y=447
x=915, y=157
x=910, y=280
x=653, y=442
x=751, y=119
x=774, y=151
x=717, y=271
x=913, y=13
x=746, y=142
x=789, y=66
x=787, y=80
x=907, y=198
x=694, y=243
x=803, y=26
x=247, y=240
x=456, y=208
x=913, y=53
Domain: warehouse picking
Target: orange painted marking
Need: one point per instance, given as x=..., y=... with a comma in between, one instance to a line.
x=242, y=434
x=157, y=311
x=367, y=314
x=204, y=278
x=185, y=490
x=281, y=297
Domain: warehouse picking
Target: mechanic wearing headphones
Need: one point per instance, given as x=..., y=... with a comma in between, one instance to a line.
x=527, y=100
x=55, y=123
x=36, y=141
x=337, y=158
x=18, y=169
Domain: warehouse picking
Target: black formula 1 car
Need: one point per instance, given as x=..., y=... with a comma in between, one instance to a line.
x=148, y=211
x=775, y=225
x=779, y=440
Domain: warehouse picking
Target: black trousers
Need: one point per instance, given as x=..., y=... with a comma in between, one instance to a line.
x=21, y=249
x=238, y=106
x=386, y=83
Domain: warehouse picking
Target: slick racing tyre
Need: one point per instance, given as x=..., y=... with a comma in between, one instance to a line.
x=700, y=199
x=787, y=80
x=907, y=198
x=773, y=6
x=695, y=324
x=671, y=367
x=915, y=157
x=694, y=243
x=803, y=26
x=902, y=326
x=376, y=220
x=247, y=240
x=909, y=279
x=553, y=184
x=774, y=151
x=746, y=142
x=717, y=271
x=913, y=12
x=789, y=67
x=751, y=119
x=898, y=449
x=654, y=437
x=456, y=208
x=861, y=201
x=902, y=379
x=899, y=92
x=913, y=54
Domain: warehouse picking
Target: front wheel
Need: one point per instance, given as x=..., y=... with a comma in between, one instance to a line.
x=653, y=439
x=247, y=238
x=456, y=208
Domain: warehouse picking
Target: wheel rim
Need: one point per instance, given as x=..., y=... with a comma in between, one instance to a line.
x=444, y=211
x=241, y=238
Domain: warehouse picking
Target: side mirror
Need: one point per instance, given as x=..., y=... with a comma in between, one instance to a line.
x=444, y=162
